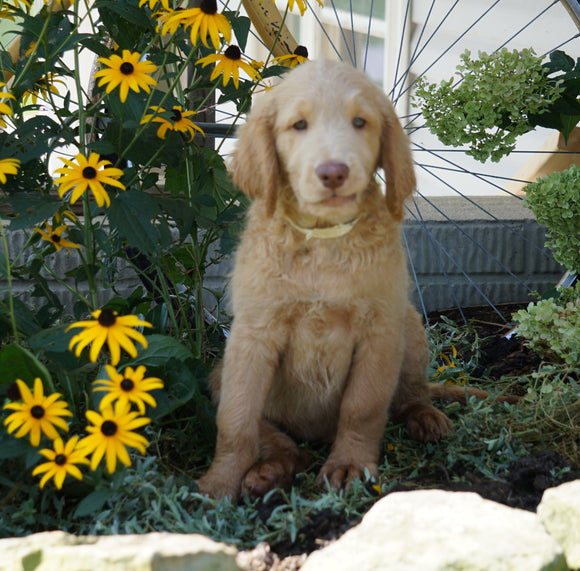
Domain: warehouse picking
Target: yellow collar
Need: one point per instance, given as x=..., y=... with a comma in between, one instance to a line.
x=324, y=233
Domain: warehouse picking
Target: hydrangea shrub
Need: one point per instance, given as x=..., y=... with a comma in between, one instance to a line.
x=555, y=202
x=551, y=327
x=491, y=104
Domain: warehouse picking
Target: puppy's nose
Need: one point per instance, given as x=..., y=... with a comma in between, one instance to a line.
x=332, y=174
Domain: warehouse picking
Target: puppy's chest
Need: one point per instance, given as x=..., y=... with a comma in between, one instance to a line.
x=321, y=339
x=335, y=275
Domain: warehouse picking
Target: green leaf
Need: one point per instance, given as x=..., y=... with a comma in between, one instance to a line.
x=160, y=349
x=569, y=123
x=126, y=22
x=102, y=147
x=11, y=447
x=32, y=209
x=125, y=10
x=240, y=26
x=53, y=339
x=16, y=362
x=25, y=318
x=93, y=503
x=559, y=61
x=96, y=47
x=131, y=213
x=181, y=381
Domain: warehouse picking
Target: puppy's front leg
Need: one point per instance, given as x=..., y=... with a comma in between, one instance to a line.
x=248, y=370
x=364, y=411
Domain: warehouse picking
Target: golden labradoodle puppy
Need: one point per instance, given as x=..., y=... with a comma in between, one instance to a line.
x=324, y=343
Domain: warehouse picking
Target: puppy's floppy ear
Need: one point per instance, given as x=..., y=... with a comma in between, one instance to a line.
x=254, y=162
x=397, y=162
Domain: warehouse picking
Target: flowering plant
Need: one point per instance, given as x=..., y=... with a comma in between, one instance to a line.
x=552, y=326
x=105, y=163
x=499, y=97
x=555, y=202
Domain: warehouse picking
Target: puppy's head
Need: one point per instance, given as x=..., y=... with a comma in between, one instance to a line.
x=323, y=132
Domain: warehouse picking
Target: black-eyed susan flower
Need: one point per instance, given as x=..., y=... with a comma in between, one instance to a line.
x=450, y=369
x=228, y=65
x=299, y=56
x=56, y=5
x=153, y=3
x=5, y=109
x=8, y=166
x=37, y=414
x=62, y=460
x=59, y=217
x=112, y=431
x=128, y=386
x=174, y=120
x=168, y=21
x=31, y=49
x=127, y=72
x=204, y=22
x=8, y=11
x=302, y=5
x=43, y=87
x=89, y=173
x=55, y=238
x=117, y=331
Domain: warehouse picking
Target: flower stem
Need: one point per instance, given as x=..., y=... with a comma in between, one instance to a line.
x=9, y=280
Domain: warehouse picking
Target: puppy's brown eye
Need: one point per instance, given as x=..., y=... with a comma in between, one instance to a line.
x=300, y=125
x=358, y=122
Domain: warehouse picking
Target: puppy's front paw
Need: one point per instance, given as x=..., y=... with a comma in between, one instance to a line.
x=340, y=475
x=218, y=487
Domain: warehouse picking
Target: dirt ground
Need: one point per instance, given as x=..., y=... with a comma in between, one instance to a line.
x=522, y=487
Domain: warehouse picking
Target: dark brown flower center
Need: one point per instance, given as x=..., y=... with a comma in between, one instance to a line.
x=60, y=459
x=89, y=172
x=37, y=411
x=108, y=428
x=55, y=238
x=176, y=115
x=126, y=68
x=208, y=7
x=127, y=385
x=301, y=51
x=107, y=317
x=233, y=53
x=13, y=392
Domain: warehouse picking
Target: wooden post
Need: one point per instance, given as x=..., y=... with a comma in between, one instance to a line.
x=268, y=23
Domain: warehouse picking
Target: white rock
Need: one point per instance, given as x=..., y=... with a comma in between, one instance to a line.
x=58, y=551
x=559, y=511
x=435, y=530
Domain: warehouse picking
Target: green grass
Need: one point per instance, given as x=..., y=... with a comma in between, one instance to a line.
x=158, y=492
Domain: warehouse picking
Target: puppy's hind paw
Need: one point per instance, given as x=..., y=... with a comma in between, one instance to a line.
x=428, y=424
x=265, y=476
x=272, y=473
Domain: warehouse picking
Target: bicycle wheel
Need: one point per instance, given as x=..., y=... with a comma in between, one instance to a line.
x=469, y=239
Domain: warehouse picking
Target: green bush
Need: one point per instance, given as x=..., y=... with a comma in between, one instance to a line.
x=495, y=101
x=555, y=202
x=551, y=326
x=108, y=168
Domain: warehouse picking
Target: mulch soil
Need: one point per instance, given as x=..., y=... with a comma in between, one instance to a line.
x=521, y=487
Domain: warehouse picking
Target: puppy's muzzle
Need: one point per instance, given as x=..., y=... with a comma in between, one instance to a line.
x=332, y=174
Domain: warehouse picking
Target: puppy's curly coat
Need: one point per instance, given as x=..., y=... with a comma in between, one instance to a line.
x=324, y=343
